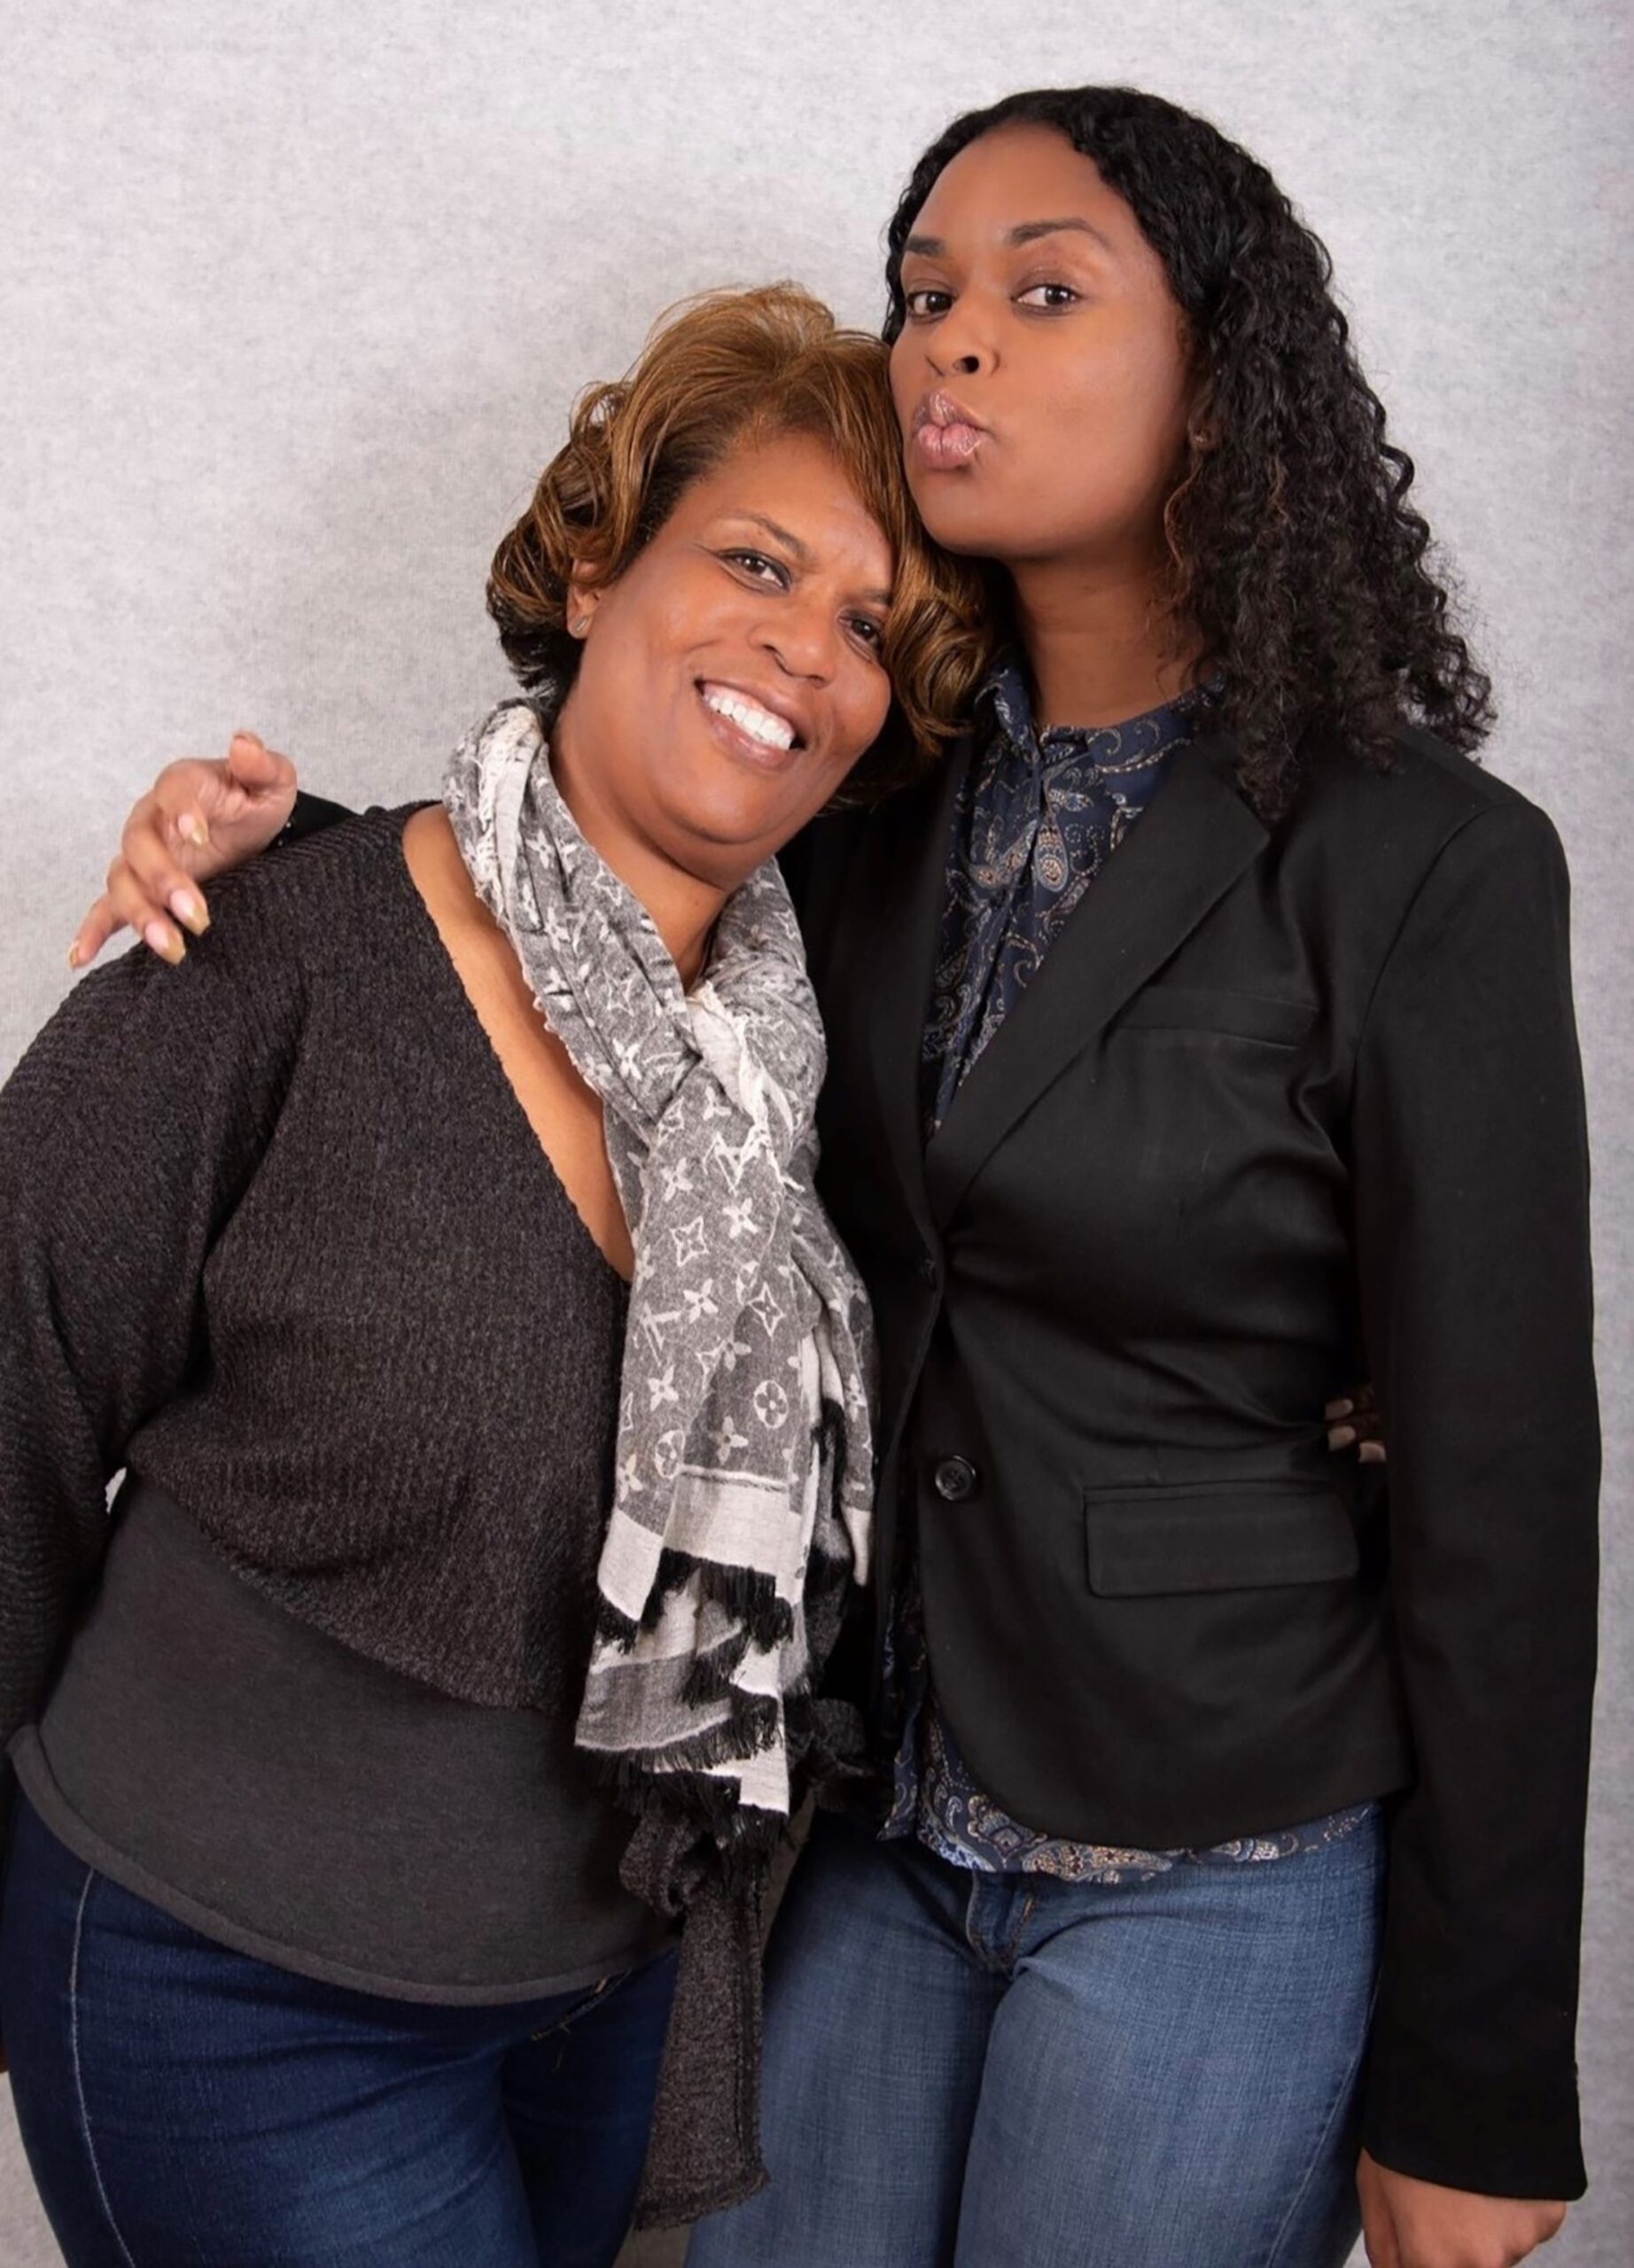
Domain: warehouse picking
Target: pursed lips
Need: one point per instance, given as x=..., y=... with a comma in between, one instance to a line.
x=945, y=435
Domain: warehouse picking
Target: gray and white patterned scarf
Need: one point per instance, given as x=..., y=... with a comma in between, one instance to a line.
x=742, y=1501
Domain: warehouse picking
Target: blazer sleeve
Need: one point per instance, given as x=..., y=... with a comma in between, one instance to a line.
x=127, y=1133
x=311, y=815
x=1472, y=1227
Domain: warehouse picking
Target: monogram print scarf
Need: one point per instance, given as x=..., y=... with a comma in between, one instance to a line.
x=742, y=1501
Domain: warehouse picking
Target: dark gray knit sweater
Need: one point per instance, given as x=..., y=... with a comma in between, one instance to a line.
x=277, y=1236
x=279, y=1239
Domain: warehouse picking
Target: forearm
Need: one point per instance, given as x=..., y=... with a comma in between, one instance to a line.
x=1472, y=1229
x=127, y=1133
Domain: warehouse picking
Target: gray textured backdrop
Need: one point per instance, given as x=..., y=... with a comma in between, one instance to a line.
x=295, y=297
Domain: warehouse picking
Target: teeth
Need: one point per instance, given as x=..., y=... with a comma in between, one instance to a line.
x=775, y=731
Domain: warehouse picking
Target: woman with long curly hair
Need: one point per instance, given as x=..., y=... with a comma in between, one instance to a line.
x=1201, y=1039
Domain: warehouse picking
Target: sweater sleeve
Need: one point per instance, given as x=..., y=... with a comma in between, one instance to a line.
x=1471, y=1191
x=127, y=1133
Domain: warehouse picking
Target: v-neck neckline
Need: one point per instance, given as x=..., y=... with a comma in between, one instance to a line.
x=476, y=1028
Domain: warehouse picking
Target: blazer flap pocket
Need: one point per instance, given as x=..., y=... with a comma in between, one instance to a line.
x=1240, y=1015
x=1244, y=1536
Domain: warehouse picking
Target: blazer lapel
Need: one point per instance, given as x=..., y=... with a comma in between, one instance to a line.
x=892, y=927
x=1185, y=853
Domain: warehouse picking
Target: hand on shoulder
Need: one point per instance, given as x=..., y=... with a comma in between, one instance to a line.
x=201, y=817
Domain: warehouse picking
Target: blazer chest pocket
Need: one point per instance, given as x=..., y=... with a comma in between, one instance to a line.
x=1227, y=1015
x=1236, y=1535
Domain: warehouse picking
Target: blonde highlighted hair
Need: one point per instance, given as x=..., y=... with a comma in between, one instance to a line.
x=729, y=369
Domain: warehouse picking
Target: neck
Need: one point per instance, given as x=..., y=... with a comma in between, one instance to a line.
x=684, y=910
x=1099, y=643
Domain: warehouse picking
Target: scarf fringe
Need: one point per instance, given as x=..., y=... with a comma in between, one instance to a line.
x=692, y=1797
x=747, y=1594
x=749, y=1726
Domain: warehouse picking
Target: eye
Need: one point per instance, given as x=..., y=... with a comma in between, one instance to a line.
x=756, y=565
x=871, y=634
x=1049, y=295
x=929, y=301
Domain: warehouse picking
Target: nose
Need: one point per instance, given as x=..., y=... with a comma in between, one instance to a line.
x=961, y=346
x=803, y=637
x=970, y=364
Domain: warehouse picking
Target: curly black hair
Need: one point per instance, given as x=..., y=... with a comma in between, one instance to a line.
x=1296, y=558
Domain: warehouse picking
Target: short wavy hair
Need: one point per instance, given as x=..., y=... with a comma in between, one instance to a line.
x=1297, y=558
x=726, y=369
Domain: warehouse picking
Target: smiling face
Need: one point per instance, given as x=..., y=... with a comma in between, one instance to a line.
x=732, y=675
x=1041, y=373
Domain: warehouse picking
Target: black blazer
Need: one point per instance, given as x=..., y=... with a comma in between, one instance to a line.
x=1285, y=1108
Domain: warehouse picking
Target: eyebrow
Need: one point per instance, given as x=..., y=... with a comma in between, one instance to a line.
x=1030, y=230
x=785, y=536
x=801, y=552
x=1025, y=232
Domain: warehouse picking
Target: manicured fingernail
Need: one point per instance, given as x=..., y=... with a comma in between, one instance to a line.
x=190, y=910
x=193, y=829
x=164, y=941
x=1342, y=1437
x=1340, y=1409
x=76, y=953
x=1374, y=1453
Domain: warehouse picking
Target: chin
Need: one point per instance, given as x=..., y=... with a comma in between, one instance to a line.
x=721, y=866
x=959, y=518
x=721, y=847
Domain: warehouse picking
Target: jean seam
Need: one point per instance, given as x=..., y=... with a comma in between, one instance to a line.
x=1341, y=2098
x=79, y=2074
x=588, y=1999
x=592, y=1996
x=1021, y=1914
x=978, y=1932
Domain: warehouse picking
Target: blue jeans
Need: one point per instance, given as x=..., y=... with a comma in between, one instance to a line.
x=975, y=2070
x=183, y=2106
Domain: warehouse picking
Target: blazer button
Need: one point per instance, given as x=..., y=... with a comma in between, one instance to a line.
x=954, y=1478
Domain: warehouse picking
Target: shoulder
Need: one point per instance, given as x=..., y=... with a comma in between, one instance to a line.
x=296, y=915
x=315, y=873
x=311, y=903
x=824, y=846
x=817, y=865
x=820, y=863
x=1430, y=803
